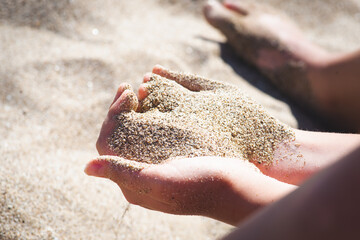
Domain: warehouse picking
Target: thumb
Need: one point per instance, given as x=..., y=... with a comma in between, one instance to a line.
x=113, y=167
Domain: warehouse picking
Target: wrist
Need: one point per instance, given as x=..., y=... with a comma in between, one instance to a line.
x=246, y=190
x=230, y=205
x=295, y=161
x=291, y=162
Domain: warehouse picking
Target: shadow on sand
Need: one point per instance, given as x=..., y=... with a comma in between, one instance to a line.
x=306, y=120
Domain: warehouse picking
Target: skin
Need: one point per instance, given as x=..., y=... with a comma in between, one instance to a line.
x=325, y=207
x=171, y=187
x=208, y=186
x=332, y=78
x=231, y=188
x=316, y=151
x=310, y=212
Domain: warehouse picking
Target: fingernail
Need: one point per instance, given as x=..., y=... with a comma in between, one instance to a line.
x=158, y=67
x=94, y=169
x=147, y=77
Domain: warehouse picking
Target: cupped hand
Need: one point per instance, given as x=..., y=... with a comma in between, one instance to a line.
x=225, y=189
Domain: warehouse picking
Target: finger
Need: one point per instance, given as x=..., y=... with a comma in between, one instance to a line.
x=124, y=172
x=125, y=103
x=219, y=15
x=107, y=128
x=120, y=91
x=147, y=77
x=143, y=91
x=113, y=167
x=187, y=80
x=240, y=7
x=149, y=179
x=128, y=173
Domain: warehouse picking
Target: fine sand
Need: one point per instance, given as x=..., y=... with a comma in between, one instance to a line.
x=204, y=118
x=60, y=64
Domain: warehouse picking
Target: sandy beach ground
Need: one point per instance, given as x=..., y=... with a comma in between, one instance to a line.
x=60, y=64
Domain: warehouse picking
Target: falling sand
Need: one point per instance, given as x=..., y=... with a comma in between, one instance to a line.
x=193, y=116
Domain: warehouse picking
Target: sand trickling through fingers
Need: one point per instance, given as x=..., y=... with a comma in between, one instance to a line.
x=218, y=120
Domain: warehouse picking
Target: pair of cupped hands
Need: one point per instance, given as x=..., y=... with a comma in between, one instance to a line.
x=226, y=189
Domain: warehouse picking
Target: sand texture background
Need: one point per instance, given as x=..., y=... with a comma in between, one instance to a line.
x=60, y=64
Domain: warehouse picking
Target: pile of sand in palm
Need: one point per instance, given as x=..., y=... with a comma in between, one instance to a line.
x=208, y=118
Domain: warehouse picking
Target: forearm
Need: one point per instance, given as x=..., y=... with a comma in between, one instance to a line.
x=337, y=87
x=296, y=161
x=325, y=207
